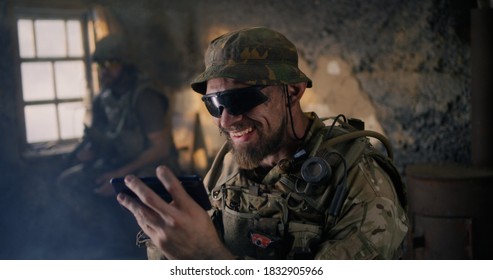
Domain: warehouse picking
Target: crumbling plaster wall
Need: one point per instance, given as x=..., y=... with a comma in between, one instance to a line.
x=398, y=65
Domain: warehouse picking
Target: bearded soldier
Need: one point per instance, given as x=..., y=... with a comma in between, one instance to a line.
x=285, y=185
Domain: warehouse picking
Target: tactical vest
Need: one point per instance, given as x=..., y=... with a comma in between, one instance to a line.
x=123, y=138
x=287, y=214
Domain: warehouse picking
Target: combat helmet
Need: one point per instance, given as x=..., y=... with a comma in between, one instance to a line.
x=113, y=47
x=253, y=56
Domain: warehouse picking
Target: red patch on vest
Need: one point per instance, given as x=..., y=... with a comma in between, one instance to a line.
x=260, y=240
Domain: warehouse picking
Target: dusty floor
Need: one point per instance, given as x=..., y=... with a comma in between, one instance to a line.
x=35, y=223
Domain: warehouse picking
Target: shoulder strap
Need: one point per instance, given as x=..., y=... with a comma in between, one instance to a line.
x=216, y=168
x=395, y=177
x=360, y=134
x=361, y=146
x=351, y=144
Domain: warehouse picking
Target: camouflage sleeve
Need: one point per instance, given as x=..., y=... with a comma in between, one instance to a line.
x=372, y=224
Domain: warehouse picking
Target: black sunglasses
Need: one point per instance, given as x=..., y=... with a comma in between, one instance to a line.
x=236, y=101
x=107, y=63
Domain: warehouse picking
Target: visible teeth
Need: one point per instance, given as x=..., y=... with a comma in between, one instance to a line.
x=241, y=133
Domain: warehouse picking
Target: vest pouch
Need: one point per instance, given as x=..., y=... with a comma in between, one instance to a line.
x=153, y=252
x=304, y=237
x=236, y=232
x=253, y=224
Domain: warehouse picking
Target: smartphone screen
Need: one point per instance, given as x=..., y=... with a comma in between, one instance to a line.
x=192, y=184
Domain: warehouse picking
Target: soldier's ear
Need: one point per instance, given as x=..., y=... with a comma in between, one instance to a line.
x=296, y=91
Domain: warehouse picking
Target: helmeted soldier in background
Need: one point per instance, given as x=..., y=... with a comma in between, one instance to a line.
x=130, y=131
x=285, y=185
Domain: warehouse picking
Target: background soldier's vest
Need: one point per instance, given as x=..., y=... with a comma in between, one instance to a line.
x=123, y=139
x=287, y=214
x=126, y=133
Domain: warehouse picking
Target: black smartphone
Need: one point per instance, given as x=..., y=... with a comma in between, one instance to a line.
x=192, y=183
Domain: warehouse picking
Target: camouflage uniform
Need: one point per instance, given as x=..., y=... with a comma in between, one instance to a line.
x=121, y=120
x=118, y=131
x=293, y=217
x=357, y=211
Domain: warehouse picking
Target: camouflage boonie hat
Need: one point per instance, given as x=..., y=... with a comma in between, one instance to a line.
x=254, y=56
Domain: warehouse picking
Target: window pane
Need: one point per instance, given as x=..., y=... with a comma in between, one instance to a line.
x=26, y=38
x=41, y=123
x=74, y=34
x=95, y=77
x=70, y=79
x=37, y=81
x=50, y=38
x=71, y=116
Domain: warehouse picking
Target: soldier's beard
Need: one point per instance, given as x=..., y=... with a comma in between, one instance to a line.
x=249, y=156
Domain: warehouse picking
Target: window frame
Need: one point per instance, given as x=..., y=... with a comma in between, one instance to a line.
x=59, y=146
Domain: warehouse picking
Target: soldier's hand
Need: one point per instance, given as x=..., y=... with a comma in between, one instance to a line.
x=85, y=153
x=180, y=229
